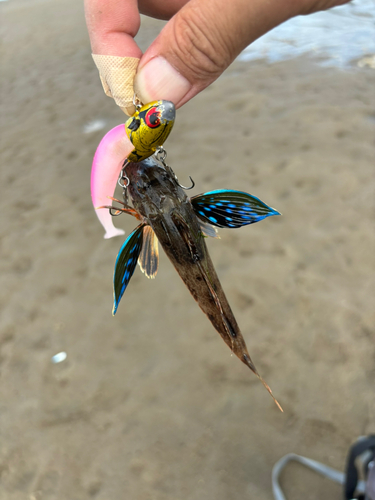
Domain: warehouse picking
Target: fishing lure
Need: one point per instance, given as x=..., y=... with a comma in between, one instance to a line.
x=180, y=224
x=147, y=130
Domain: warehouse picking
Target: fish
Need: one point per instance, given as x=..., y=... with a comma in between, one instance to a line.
x=181, y=225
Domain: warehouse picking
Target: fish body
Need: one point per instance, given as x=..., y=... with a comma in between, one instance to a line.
x=179, y=223
x=167, y=209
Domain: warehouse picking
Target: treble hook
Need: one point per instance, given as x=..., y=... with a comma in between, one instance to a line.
x=161, y=155
x=187, y=188
x=116, y=213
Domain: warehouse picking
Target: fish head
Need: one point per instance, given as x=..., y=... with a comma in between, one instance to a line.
x=149, y=128
x=152, y=188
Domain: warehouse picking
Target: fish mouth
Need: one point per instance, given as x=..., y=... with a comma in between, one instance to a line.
x=168, y=111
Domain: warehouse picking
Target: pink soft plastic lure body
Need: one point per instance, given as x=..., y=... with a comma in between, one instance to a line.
x=112, y=151
x=138, y=139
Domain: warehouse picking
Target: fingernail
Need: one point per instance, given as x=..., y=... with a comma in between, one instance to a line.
x=159, y=80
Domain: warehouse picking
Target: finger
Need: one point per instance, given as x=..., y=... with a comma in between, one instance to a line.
x=112, y=26
x=160, y=10
x=201, y=41
x=311, y=6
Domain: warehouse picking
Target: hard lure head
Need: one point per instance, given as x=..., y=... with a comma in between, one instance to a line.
x=149, y=127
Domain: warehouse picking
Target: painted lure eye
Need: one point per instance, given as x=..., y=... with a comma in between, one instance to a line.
x=152, y=117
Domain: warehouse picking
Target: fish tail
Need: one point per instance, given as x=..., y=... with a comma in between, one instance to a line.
x=247, y=360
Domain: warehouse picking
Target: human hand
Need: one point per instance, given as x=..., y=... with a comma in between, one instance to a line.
x=199, y=42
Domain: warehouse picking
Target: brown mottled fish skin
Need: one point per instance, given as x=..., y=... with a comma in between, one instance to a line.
x=166, y=208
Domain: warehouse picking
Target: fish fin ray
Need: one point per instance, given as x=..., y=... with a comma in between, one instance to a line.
x=229, y=208
x=148, y=259
x=125, y=264
x=127, y=209
x=208, y=229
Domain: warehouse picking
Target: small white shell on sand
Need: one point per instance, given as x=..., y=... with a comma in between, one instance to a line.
x=59, y=357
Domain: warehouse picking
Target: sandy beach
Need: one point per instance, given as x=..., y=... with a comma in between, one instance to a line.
x=150, y=404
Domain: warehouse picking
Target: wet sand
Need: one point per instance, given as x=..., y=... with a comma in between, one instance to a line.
x=150, y=405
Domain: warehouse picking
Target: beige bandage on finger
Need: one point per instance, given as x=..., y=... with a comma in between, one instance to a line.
x=117, y=76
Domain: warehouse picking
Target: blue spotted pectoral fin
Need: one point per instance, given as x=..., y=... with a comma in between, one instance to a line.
x=125, y=264
x=229, y=208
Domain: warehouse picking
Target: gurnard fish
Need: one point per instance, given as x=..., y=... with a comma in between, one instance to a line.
x=181, y=225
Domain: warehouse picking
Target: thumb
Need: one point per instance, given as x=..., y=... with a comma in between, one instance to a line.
x=200, y=42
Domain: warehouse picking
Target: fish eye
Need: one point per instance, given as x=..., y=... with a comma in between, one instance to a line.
x=141, y=186
x=152, y=117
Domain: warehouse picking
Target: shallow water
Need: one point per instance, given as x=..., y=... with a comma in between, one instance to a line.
x=337, y=36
